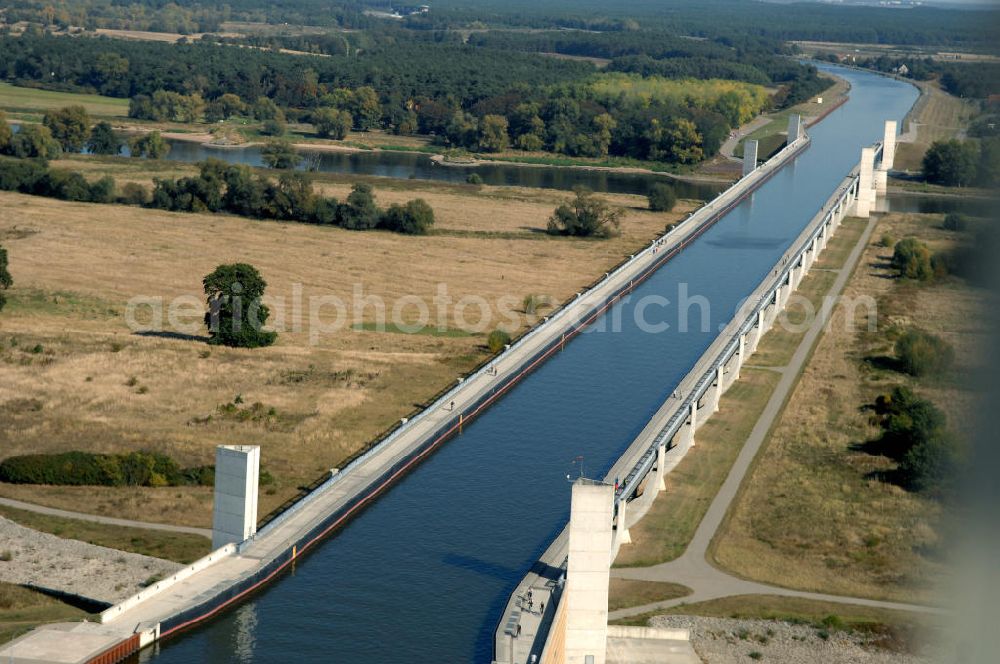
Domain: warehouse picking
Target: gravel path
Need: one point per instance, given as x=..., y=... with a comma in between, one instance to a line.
x=727, y=641
x=71, y=566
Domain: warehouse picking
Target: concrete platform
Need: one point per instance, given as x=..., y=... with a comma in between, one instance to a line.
x=60, y=643
x=649, y=645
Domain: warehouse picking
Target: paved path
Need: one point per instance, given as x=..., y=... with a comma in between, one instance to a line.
x=692, y=569
x=109, y=520
x=729, y=146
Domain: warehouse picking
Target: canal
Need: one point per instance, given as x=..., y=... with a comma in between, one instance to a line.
x=422, y=575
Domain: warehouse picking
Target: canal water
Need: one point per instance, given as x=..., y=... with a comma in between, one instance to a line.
x=422, y=575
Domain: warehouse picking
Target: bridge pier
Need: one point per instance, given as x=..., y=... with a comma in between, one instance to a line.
x=866, y=185
x=714, y=394
x=691, y=424
x=661, y=461
x=757, y=332
x=740, y=355
x=621, y=527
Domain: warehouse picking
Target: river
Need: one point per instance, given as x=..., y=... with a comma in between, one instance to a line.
x=422, y=575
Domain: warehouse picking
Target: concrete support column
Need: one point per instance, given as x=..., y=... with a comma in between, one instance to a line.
x=715, y=392
x=692, y=424
x=588, y=572
x=234, y=512
x=661, y=462
x=621, y=526
x=888, y=157
x=757, y=332
x=740, y=358
x=866, y=184
x=794, y=127
x=749, y=157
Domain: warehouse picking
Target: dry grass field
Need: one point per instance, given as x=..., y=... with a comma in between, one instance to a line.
x=811, y=514
x=22, y=609
x=74, y=376
x=936, y=116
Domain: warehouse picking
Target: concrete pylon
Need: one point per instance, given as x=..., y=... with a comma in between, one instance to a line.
x=588, y=571
x=740, y=357
x=716, y=391
x=661, y=462
x=749, y=157
x=621, y=525
x=866, y=184
x=692, y=422
x=794, y=127
x=234, y=512
x=758, y=331
x=888, y=157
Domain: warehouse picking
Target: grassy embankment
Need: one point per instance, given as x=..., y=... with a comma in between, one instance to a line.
x=771, y=137
x=76, y=377
x=179, y=547
x=936, y=116
x=21, y=610
x=813, y=513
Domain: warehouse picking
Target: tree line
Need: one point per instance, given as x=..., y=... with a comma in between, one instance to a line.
x=222, y=187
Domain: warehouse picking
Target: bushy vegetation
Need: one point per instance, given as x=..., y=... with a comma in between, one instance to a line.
x=921, y=353
x=496, y=340
x=957, y=163
x=584, y=216
x=956, y=221
x=662, y=197
x=89, y=469
x=6, y=281
x=914, y=260
x=35, y=177
x=914, y=435
x=236, y=316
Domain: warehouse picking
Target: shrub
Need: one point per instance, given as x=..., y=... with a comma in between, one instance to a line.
x=886, y=241
x=134, y=193
x=912, y=259
x=474, y=178
x=281, y=154
x=662, y=197
x=951, y=163
x=497, y=340
x=414, y=218
x=955, y=221
x=920, y=353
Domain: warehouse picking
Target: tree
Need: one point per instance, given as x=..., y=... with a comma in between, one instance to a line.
x=273, y=127
x=235, y=314
x=103, y=140
x=912, y=259
x=265, y=109
x=151, y=146
x=951, y=163
x=223, y=108
x=332, y=123
x=920, y=353
x=493, y=133
x=34, y=142
x=279, y=153
x=584, y=216
x=988, y=170
x=359, y=212
x=662, y=197
x=70, y=126
x=6, y=281
x=367, y=109
x=414, y=218
x=677, y=141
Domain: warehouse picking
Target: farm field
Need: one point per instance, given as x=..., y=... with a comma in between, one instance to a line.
x=74, y=376
x=21, y=101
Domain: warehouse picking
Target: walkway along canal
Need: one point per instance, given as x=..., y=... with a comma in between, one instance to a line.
x=423, y=573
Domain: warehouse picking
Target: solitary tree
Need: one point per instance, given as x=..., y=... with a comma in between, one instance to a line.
x=920, y=353
x=6, y=133
x=5, y=279
x=913, y=260
x=103, y=140
x=235, y=314
x=662, y=197
x=584, y=216
x=70, y=126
